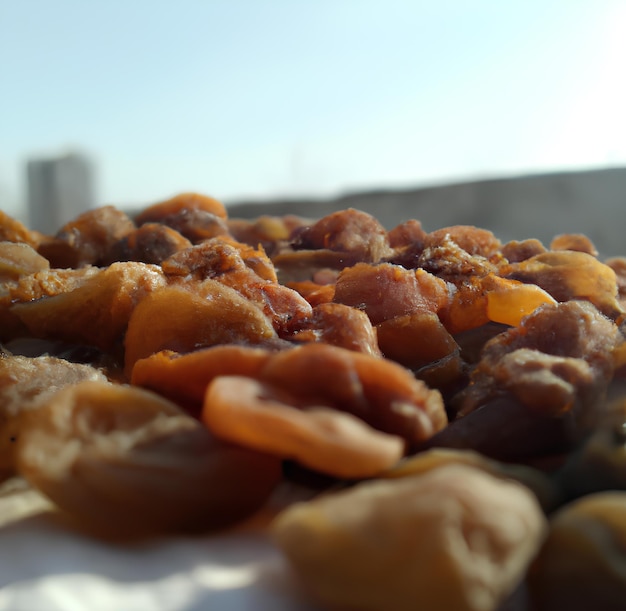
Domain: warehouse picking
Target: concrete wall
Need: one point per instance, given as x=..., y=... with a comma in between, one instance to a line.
x=539, y=206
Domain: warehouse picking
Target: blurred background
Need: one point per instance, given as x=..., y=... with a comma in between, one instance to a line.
x=510, y=115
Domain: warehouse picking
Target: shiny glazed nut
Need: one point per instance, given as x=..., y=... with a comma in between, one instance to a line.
x=581, y=564
x=123, y=461
x=452, y=538
x=254, y=415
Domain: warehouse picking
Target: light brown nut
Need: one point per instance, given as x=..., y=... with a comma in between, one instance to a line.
x=581, y=564
x=24, y=384
x=249, y=413
x=340, y=325
x=569, y=274
x=212, y=314
x=124, y=461
x=87, y=239
x=415, y=340
x=452, y=538
x=183, y=201
x=97, y=311
x=13, y=230
x=545, y=489
x=385, y=291
x=18, y=259
x=347, y=231
x=574, y=241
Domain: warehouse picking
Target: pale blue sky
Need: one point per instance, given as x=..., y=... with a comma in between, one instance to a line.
x=244, y=98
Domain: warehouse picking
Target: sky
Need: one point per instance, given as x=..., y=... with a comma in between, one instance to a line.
x=251, y=99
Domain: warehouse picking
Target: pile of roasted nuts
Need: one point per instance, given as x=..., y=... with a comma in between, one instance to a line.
x=454, y=401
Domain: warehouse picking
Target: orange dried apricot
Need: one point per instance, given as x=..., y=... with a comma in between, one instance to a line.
x=252, y=414
x=212, y=314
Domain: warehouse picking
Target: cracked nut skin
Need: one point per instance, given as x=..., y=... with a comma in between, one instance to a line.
x=452, y=538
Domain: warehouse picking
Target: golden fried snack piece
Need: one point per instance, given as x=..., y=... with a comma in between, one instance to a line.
x=581, y=564
x=185, y=377
x=126, y=462
x=98, y=311
x=452, y=538
x=569, y=274
x=184, y=201
x=380, y=392
x=255, y=415
x=87, y=239
x=24, y=384
x=18, y=259
x=199, y=315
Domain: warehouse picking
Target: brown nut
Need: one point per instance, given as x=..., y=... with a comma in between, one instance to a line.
x=453, y=538
x=123, y=461
x=581, y=564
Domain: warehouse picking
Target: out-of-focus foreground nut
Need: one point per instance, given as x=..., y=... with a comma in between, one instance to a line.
x=123, y=461
x=453, y=538
x=546, y=490
x=582, y=564
x=24, y=383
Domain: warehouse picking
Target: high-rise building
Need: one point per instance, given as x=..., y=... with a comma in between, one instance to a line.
x=59, y=189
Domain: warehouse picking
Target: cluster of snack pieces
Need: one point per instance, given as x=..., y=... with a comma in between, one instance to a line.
x=159, y=372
